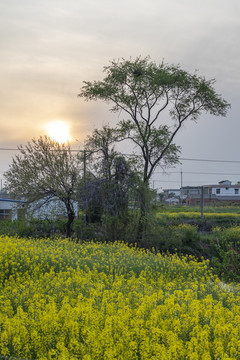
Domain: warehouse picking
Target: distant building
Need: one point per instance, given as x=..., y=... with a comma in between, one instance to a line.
x=222, y=193
x=54, y=209
x=171, y=196
x=11, y=209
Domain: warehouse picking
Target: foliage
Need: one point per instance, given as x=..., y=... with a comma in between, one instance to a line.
x=197, y=215
x=212, y=217
x=100, y=151
x=61, y=300
x=221, y=245
x=226, y=261
x=101, y=196
x=180, y=239
x=110, y=229
x=91, y=195
x=33, y=228
x=110, y=179
x=45, y=170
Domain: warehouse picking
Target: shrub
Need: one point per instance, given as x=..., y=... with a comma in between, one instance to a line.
x=226, y=262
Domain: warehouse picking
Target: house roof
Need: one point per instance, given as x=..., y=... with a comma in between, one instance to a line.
x=11, y=200
x=236, y=186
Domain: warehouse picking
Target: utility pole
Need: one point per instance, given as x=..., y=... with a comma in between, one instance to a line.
x=181, y=178
x=202, y=203
x=84, y=182
x=84, y=165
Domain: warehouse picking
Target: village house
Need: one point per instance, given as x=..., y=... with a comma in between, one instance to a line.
x=11, y=209
x=223, y=193
x=172, y=196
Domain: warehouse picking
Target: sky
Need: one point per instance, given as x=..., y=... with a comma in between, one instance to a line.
x=49, y=47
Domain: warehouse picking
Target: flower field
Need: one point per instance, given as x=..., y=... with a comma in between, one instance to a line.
x=197, y=215
x=62, y=300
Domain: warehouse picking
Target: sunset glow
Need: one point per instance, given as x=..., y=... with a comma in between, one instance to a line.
x=58, y=131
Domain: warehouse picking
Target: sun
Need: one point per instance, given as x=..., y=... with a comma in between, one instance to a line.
x=59, y=131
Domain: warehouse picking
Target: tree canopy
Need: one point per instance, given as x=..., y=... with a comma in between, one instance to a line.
x=43, y=171
x=156, y=100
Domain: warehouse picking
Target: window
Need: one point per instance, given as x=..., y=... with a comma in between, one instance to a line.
x=218, y=191
x=5, y=214
x=236, y=191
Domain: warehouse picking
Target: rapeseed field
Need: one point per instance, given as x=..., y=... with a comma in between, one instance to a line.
x=197, y=215
x=92, y=301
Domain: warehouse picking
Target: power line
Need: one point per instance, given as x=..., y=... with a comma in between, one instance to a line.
x=182, y=159
x=211, y=160
x=193, y=172
x=18, y=149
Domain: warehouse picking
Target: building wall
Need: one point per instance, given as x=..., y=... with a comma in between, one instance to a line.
x=7, y=210
x=10, y=209
x=226, y=191
x=176, y=192
x=212, y=202
x=5, y=214
x=50, y=211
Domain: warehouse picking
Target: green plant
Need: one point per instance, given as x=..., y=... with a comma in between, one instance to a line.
x=226, y=262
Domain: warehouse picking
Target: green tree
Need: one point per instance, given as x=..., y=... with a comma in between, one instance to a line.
x=157, y=100
x=45, y=170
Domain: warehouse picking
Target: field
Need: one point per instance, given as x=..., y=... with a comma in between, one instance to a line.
x=189, y=212
x=63, y=300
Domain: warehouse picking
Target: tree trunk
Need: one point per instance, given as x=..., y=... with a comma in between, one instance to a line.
x=144, y=208
x=71, y=216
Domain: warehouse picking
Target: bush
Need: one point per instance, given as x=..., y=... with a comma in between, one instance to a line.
x=33, y=227
x=226, y=262
x=182, y=238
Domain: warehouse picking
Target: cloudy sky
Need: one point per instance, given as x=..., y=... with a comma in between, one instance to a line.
x=49, y=47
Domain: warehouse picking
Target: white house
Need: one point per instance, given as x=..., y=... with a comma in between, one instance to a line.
x=52, y=210
x=14, y=209
x=224, y=189
x=10, y=209
x=222, y=193
x=171, y=196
